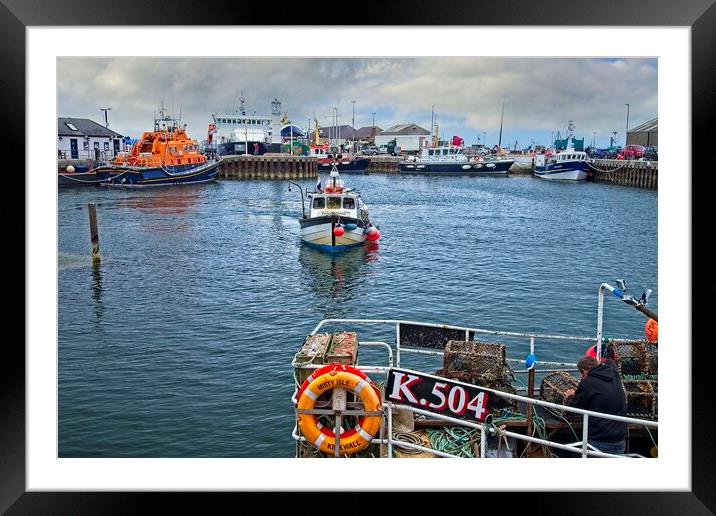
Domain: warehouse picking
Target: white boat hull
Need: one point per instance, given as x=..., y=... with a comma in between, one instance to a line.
x=322, y=237
x=563, y=175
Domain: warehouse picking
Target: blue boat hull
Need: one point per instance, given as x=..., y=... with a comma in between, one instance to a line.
x=471, y=168
x=355, y=165
x=564, y=171
x=157, y=176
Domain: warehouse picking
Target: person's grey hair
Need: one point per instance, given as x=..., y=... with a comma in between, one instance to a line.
x=587, y=363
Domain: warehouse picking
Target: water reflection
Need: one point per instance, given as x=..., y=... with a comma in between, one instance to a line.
x=168, y=200
x=336, y=277
x=97, y=290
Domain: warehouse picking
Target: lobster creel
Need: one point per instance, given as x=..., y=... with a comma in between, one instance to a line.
x=323, y=380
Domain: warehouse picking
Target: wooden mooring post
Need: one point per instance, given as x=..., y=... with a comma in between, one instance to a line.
x=94, y=232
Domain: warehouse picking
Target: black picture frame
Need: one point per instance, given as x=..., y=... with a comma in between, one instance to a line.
x=699, y=15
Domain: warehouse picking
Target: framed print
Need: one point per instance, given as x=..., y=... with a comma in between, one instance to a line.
x=167, y=352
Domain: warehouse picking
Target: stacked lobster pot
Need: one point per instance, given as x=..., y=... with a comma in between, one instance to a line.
x=480, y=363
x=552, y=389
x=637, y=363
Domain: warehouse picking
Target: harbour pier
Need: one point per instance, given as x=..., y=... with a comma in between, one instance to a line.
x=268, y=166
x=390, y=164
x=638, y=173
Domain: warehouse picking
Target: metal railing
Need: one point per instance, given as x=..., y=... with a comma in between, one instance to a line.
x=580, y=447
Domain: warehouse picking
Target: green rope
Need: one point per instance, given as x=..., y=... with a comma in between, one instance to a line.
x=456, y=441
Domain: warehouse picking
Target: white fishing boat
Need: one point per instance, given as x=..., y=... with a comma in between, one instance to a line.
x=566, y=165
x=337, y=218
x=489, y=399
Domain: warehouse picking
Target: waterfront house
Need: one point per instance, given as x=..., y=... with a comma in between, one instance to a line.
x=409, y=137
x=82, y=138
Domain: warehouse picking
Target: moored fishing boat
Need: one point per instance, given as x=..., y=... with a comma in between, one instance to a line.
x=164, y=156
x=328, y=159
x=451, y=160
x=474, y=405
x=337, y=217
x=566, y=165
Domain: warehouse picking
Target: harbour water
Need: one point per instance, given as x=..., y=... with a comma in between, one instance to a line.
x=179, y=344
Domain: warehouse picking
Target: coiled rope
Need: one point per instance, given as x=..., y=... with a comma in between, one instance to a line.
x=457, y=441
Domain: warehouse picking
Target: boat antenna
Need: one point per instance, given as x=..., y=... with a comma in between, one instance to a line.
x=502, y=118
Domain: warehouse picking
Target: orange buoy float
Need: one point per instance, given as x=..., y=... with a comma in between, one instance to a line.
x=349, y=378
x=651, y=330
x=338, y=231
x=373, y=235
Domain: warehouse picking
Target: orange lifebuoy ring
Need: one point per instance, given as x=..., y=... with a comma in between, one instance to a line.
x=323, y=438
x=328, y=189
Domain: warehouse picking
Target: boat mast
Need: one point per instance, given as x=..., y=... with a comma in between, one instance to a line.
x=502, y=118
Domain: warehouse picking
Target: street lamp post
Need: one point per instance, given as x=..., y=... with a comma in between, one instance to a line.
x=353, y=125
x=106, y=119
x=432, y=122
x=626, y=133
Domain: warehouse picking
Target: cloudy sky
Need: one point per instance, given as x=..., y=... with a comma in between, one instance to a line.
x=540, y=95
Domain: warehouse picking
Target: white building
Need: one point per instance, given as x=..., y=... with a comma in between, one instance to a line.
x=81, y=138
x=409, y=137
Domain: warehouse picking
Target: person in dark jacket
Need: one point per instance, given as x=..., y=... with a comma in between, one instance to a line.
x=601, y=390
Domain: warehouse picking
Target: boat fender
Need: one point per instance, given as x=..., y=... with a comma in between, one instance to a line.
x=373, y=235
x=338, y=231
x=651, y=330
x=354, y=439
x=351, y=227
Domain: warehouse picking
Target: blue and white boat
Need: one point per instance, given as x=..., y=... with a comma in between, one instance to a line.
x=567, y=165
x=450, y=160
x=337, y=217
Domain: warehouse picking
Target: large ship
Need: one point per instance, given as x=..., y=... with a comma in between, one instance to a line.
x=238, y=132
x=164, y=156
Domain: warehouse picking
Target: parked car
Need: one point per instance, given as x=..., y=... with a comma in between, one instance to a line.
x=382, y=149
x=369, y=150
x=651, y=153
x=613, y=153
x=633, y=151
x=598, y=153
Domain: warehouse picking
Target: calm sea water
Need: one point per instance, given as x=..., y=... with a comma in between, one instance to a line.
x=179, y=344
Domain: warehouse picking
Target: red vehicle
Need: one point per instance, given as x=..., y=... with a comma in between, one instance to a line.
x=633, y=151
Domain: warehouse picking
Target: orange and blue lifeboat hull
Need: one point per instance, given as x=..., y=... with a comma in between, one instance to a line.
x=125, y=175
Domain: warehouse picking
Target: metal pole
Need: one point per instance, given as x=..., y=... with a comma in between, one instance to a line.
x=106, y=119
x=432, y=122
x=499, y=143
x=353, y=123
x=585, y=435
x=627, y=125
x=94, y=232
x=530, y=394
